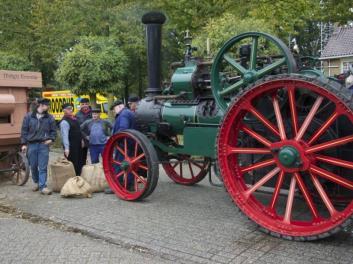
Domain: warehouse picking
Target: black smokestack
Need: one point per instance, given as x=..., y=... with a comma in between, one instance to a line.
x=154, y=22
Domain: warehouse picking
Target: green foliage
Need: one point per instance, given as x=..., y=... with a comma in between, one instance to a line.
x=14, y=62
x=219, y=30
x=94, y=65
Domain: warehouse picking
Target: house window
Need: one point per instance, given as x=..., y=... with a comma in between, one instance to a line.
x=345, y=65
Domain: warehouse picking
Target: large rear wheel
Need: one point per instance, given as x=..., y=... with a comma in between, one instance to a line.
x=286, y=173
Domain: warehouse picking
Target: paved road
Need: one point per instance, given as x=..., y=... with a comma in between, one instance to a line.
x=196, y=224
x=24, y=242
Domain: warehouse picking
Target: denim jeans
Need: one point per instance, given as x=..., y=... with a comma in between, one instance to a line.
x=95, y=151
x=38, y=157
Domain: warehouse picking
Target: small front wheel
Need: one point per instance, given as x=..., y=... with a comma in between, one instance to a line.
x=130, y=165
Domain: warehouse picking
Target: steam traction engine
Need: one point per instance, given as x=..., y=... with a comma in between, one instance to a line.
x=281, y=136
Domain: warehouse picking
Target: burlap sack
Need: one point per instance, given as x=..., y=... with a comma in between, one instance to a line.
x=76, y=187
x=59, y=172
x=94, y=175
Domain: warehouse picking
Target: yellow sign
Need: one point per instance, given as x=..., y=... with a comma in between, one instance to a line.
x=58, y=98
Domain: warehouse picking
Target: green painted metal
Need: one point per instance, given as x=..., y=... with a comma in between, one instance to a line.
x=250, y=75
x=179, y=115
x=125, y=165
x=289, y=156
x=197, y=141
x=182, y=81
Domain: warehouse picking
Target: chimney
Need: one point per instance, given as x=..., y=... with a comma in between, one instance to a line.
x=154, y=22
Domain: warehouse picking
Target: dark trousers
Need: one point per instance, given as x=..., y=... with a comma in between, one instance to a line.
x=84, y=155
x=75, y=156
x=95, y=151
x=38, y=157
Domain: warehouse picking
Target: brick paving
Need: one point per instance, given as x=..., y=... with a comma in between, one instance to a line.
x=197, y=224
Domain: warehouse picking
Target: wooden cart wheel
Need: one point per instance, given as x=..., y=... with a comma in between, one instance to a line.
x=20, y=165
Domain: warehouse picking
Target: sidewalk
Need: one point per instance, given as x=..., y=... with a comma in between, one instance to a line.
x=182, y=224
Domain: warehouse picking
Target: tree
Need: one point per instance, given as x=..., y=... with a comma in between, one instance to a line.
x=94, y=65
x=14, y=62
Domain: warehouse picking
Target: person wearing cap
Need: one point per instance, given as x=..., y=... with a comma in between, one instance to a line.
x=83, y=115
x=71, y=136
x=96, y=131
x=37, y=133
x=124, y=117
x=132, y=102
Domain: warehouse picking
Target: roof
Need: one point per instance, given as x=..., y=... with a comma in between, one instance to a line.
x=340, y=44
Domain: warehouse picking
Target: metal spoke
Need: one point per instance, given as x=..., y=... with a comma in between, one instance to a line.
x=231, y=88
x=139, y=178
x=181, y=170
x=293, y=109
x=125, y=179
x=258, y=165
x=264, y=120
x=253, y=55
x=125, y=147
x=279, y=119
x=255, y=135
x=290, y=200
x=120, y=150
x=116, y=162
x=306, y=195
x=261, y=182
x=271, y=67
x=331, y=177
x=277, y=190
x=138, y=158
x=143, y=167
x=119, y=175
x=309, y=118
x=136, y=148
x=197, y=165
x=235, y=65
x=323, y=128
x=232, y=150
x=330, y=144
x=334, y=161
x=323, y=195
x=191, y=171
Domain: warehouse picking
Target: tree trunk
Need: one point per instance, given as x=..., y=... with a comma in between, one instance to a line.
x=93, y=100
x=110, y=97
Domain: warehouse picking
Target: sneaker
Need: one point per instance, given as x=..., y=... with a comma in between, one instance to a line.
x=45, y=191
x=35, y=188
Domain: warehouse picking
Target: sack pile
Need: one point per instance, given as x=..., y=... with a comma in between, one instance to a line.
x=94, y=175
x=59, y=172
x=76, y=187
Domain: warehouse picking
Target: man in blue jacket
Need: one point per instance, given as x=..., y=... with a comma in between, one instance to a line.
x=38, y=131
x=124, y=119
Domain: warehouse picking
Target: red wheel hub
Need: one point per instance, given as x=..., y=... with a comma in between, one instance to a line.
x=284, y=158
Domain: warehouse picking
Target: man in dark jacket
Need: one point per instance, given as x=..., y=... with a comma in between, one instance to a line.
x=72, y=138
x=124, y=119
x=84, y=114
x=38, y=131
x=97, y=132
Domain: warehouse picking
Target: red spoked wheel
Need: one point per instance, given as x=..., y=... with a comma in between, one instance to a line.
x=273, y=169
x=130, y=165
x=186, y=169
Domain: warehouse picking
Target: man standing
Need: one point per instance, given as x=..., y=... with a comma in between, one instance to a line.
x=96, y=131
x=37, y=133
x=132, y=102
x=124, y=118
x=84, y=114
x=71, y=138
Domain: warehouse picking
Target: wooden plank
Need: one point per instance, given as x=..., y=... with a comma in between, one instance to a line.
x=20, y=79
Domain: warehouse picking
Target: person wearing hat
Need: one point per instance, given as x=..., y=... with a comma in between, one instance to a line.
x=132, y=102
x=124, y=119
x=96, y=131
x=83, y=115
x=37, y=133
x=72, y=140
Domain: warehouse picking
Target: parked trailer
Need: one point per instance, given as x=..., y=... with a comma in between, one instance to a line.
x=280, y=136
x=14, y=87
